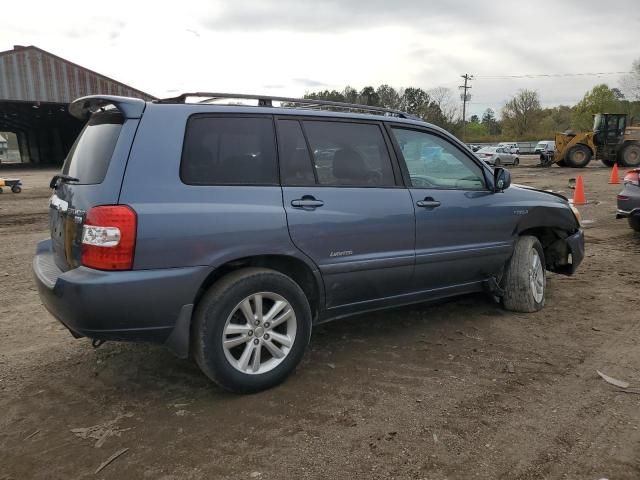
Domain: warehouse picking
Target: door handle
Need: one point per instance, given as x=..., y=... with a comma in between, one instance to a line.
x=428, y=202
x=307, y=202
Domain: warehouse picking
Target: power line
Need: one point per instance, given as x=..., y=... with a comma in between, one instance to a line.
x=550, y=75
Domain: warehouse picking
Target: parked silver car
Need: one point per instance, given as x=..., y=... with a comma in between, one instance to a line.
x=496, y=156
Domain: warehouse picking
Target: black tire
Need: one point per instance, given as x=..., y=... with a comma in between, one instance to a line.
x=519, y=293
x=497, y=162
x=630, y=155
x=16, y=189
x=634, y=223
x=578, y=156
x=219, y=303
x=516, y=162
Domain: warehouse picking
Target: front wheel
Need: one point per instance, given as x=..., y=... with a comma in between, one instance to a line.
x=525, y=281
x=516, y=162
x=630, y=155
x=251, y=330
x=578, y=156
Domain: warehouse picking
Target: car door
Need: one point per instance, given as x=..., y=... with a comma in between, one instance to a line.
x=346, y=208
x=505, y=156
x=463, y=234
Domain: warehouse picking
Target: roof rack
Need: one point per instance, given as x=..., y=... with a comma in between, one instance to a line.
x=310, y=103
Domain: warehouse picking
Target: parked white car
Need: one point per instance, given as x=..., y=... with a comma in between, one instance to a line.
x=496, y=156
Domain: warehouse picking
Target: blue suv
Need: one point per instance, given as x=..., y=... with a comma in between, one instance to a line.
x=227, y=231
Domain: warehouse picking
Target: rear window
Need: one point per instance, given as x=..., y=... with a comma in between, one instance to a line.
x=90, y=155
x=229, y=151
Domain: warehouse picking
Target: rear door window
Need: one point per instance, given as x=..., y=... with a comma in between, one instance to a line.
x=349, y=154
x=229, y=151
x=90, y=155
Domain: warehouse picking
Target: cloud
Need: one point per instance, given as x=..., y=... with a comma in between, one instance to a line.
x=307, y=82
x=342, y=15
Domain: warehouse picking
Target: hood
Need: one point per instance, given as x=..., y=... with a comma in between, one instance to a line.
x=549, y=192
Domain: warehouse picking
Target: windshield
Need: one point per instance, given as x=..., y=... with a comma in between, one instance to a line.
x=90, y=155
x=597, y=121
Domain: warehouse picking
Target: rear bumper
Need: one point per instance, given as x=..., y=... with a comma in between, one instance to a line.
x=628, y=213
x=137, y=305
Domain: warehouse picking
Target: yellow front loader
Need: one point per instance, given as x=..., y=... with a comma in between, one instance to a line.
x=611, y=141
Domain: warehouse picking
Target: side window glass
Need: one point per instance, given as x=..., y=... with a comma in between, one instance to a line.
x=435, y=163
x=350, y=154
x=295, y=162
x=229, y=151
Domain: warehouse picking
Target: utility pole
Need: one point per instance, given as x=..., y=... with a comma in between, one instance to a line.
x=465, y=98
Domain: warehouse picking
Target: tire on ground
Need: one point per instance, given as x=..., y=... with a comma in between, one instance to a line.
x=634, y=222
x=630, y=155
x=578, y=156
x=517, y=284
x=216, y=306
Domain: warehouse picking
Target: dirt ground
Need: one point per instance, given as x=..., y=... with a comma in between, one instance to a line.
x=462, y=389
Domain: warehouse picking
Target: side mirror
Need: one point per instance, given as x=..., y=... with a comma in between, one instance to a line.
x=501, y=179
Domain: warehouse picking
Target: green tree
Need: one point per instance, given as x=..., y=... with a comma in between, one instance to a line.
x=474, y=119
x=332, y=95
x=600, y=99
x=369, y=96
x=521, y=114
x=477, y=129
x=388, y=97
x=350, y=94
x=490, y=122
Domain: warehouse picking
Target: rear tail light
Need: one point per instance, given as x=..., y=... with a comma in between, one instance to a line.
x=632, y=177
x=109, y=237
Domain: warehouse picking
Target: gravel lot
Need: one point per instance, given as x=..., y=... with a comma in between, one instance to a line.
x=461, y=389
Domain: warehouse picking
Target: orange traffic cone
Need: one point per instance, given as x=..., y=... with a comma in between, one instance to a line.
x=578, y=195
x=615, y=176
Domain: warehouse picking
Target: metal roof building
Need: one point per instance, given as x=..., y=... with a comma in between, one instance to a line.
x=36, y=88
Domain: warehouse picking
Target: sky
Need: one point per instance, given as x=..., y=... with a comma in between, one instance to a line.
x=289, y=47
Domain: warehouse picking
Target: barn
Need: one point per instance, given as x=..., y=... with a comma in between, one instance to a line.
x=36, y=88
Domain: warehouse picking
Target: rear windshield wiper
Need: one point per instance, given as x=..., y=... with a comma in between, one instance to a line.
x=63, y=178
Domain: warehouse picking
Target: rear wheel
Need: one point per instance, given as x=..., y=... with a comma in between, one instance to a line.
x=497, y=162
x=578, y=156
x=630, y=155
x=516, y=162
x=525, y=282
x=251, y=330
x=16, y=189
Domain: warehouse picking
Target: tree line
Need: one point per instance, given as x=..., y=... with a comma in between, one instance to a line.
x=522, y=116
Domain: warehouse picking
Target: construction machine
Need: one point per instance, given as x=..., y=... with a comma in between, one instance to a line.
x=613, y=140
